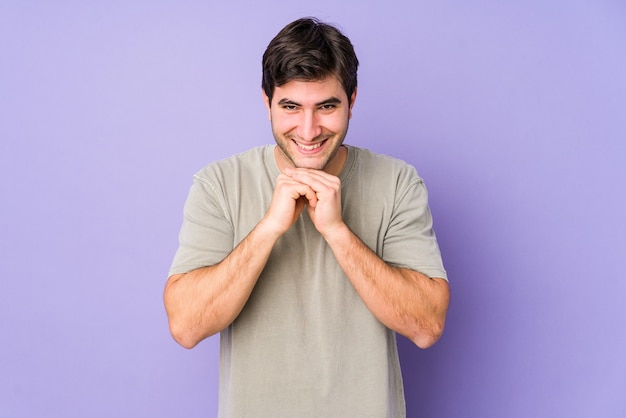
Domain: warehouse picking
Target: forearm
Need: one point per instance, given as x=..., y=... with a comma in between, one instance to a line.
x=404, y=300
x=203, y=302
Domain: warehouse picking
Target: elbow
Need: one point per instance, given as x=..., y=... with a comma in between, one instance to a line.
x=180, y=330
x=426, y=338
x=185, y=331
x=430, y=330
x=179, y=323
x=183, y=337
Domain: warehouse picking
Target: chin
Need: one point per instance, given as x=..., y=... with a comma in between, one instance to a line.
x=314, y=165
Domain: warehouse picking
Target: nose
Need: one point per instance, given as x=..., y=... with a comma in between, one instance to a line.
x=309, y=127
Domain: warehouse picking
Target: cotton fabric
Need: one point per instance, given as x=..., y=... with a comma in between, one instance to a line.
x=305, y=345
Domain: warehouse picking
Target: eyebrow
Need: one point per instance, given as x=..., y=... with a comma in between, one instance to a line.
x=330, y=100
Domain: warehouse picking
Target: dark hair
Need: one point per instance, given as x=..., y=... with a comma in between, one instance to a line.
x=309, y=50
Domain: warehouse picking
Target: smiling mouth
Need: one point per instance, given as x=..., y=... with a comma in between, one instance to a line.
x=309, y=147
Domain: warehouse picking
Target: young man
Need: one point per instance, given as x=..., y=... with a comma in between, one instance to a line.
x=309, y=255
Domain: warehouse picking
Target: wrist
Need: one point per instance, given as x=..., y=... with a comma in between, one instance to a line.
x=338, y=236
x=269, y=230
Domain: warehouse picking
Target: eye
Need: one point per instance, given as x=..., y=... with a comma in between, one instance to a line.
x=289, y=107
x=328, y=106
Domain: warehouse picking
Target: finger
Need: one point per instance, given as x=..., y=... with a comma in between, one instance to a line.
x=318, y=180
x=309, y=194
x=297, y=189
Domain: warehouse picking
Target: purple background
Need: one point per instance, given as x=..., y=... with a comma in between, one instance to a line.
x=513, y=112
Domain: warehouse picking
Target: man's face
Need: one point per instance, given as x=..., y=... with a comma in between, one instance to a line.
x=309, y=122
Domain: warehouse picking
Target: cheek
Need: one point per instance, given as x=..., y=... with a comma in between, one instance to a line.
x=340, y=123
x=283, y=123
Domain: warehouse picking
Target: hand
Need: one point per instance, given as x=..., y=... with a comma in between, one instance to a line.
x=325, y=208
x=288, y=200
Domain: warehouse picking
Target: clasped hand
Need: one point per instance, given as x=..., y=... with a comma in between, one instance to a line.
x=296, y=188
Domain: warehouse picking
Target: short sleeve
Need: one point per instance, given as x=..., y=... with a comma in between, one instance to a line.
x=410, y=241
x=206, y=235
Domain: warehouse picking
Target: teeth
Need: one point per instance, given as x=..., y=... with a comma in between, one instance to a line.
x=309, y=147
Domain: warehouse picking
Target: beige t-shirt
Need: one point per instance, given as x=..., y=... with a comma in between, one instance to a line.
x=305, y=345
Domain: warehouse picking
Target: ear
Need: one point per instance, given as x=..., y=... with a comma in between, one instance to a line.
x=352, y=100
x=268, y=105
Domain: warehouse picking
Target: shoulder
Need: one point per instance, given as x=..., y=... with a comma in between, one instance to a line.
x=377, y=166
x=250, y=161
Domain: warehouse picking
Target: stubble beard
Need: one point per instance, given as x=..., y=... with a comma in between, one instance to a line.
x=283, y=142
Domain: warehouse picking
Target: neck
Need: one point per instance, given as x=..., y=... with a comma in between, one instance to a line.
x=334, y=166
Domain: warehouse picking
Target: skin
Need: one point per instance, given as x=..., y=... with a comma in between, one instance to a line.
x=309, y=121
